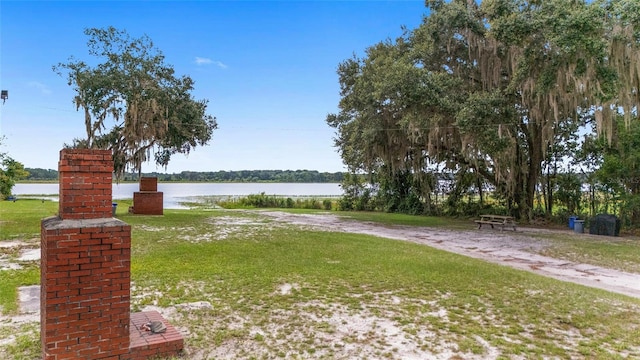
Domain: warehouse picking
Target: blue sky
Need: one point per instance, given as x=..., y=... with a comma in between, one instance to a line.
x=268, y=69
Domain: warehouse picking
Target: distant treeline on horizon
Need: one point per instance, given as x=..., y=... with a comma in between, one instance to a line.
x=293, y=176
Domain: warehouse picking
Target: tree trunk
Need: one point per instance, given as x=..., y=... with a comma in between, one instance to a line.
x=534, y=142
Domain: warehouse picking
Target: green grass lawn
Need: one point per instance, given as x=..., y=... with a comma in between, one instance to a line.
x=280, y=291
x=20, y=221
x=620, y=253
x=411, y=220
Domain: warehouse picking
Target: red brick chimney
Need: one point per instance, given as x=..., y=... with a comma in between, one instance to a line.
x=85, y=272
x=86, y=178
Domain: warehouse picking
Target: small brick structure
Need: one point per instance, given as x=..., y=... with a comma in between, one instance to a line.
x=144, y=344
x=148, y=201
x=85, y=272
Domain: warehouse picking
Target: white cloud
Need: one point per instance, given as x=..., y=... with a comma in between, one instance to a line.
x=40, y=86
x=206, y=61
x=221, y=65
x=203, y=61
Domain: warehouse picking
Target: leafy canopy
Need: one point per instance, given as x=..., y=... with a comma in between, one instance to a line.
x=10, y=171
x=484, y=90
x=133, y=102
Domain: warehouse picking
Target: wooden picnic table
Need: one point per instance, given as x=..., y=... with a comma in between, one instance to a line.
x=497, y=220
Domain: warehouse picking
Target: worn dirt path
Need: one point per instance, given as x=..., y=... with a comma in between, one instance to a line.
x=514, y=249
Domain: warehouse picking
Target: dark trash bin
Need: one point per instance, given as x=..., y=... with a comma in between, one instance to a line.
x=605, y=224
x=578, y=226
x=572, y=220
x=114, y=206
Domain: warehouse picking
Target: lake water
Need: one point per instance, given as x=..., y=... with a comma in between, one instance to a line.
x=174, y=193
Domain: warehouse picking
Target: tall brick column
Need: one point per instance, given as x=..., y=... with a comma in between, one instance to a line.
x=85, y=265
x=85, y=272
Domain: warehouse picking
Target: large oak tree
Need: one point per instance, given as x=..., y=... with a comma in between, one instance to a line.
x=482, y=89
x=133, y=103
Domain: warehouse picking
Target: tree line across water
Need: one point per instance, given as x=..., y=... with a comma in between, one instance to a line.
x=294, y=176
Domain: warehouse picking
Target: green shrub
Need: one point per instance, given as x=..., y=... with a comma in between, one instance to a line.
x=277, y=202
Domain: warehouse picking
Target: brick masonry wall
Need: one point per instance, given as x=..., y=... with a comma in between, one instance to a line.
x=85, y=288
x=85, y=183
x=148, y=203
x=149, y=184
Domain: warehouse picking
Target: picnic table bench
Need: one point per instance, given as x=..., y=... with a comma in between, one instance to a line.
x=497, y=220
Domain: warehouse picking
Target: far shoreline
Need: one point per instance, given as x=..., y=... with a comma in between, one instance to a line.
x=193, y=182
